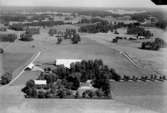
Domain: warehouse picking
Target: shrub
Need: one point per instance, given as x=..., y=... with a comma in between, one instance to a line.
x=17, y=27
x=52, y=32
x=155, y=45
x=59, y=40
x=133, y=30
x=1, y=51
x=26, y=37
x=32, y=31
x=6, y=78
x=76, y=38
x=115, y=40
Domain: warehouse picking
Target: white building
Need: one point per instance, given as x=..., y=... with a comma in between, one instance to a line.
x=67, y=62
x=40, y=82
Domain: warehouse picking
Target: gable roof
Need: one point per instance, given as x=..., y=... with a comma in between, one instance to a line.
x=67, y=62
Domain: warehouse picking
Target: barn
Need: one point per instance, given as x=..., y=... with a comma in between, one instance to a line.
x=67, y=62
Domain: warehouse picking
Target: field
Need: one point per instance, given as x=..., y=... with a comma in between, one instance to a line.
x=149, y=60
x=145, y=94
x=149, y=95
x=15, y=103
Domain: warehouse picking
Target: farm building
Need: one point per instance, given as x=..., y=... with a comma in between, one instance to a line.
x=67, y=62
x=32, y=67
x=40, y=82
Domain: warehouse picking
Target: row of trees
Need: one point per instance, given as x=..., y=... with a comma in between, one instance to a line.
x=32, y=31
x=26, y=37
x=69, y=34
x=96, y=27
x=28, y=34
x=105, y=26
x=134, y=30
x=92, y=20
x=153, y=45
x=61, y=80
x=22, y=26
x=45, y=23
x=8, y=37
x=152, y=77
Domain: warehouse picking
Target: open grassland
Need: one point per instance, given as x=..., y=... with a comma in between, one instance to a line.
x=92, y=46
x=86, y=49
x=150, y=95
x=152, y=61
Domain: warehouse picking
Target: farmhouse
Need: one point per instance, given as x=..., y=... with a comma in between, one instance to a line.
x=67, y=62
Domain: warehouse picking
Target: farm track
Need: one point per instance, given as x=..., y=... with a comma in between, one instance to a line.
x=31, y=60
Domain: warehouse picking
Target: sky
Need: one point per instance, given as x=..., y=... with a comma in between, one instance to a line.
x=79, y=3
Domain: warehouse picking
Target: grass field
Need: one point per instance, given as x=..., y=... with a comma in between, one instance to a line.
x=15, y=103
x=152, y=61
x=148, y=95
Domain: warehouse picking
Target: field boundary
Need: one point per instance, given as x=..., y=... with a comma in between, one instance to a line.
x=33, y=58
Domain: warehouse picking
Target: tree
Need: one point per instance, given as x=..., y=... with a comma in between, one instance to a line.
x=30, y=84
x=114, y=40
x=26, y=37
x=1, y=51
x=59, y=40
x=76, y=38
x=6, y=78
x=155, y=45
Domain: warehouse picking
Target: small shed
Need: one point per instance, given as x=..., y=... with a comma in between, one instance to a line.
x=29, y=67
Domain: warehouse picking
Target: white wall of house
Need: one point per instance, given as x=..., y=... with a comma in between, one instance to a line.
x=67, y=62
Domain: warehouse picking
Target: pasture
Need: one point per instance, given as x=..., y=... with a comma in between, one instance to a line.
x=150, y=95
x=92, y=46
x=152, y=61
x=16, y=103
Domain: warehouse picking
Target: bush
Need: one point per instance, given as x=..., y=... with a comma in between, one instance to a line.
x=6, y=78
x=3, y=29
x=59, y=40
x=1, y=51
x=52, y=32
x=76, y=38
x=115, y=40
x=133, y=30
x=32, y=31
x=26, y=37
x=17, y=27
x=95, y=28
x=155, y=45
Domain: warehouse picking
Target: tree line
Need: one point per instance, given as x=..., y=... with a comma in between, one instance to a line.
x=154, y=45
